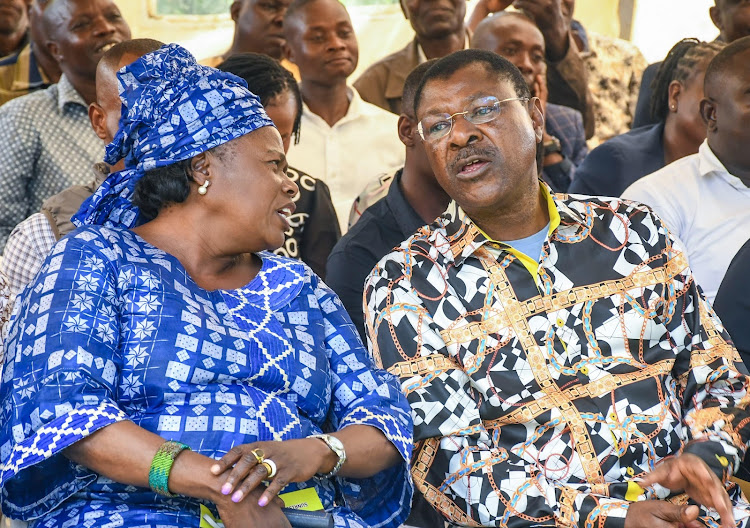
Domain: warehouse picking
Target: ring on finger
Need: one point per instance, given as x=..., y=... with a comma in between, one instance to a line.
x=270, y=466
x=258, y=454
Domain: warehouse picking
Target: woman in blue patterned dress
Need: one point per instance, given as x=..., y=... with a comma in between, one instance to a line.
x=161, y=346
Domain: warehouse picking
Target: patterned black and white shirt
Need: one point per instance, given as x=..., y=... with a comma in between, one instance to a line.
x=541, y=388
x=46, y=145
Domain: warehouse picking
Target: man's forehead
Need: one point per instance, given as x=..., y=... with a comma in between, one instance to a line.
x=507, y=27
x=461, y=88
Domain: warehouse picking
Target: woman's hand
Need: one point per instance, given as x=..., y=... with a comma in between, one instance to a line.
x=247, y=514
x=296, y=461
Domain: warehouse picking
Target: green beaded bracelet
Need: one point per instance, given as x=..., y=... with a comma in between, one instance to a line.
x=161, y=465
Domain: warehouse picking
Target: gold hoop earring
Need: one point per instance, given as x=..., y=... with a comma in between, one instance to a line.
x=203, y=189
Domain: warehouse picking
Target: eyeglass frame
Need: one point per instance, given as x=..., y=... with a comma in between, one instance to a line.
x=452, y=119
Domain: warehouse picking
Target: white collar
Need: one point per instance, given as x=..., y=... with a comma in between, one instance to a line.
x=709, y=164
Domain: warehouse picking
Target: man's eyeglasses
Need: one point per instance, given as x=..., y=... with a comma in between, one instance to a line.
x=437, y=126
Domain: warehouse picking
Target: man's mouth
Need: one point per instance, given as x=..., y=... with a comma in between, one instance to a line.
x=106, y=47
x=472, y=166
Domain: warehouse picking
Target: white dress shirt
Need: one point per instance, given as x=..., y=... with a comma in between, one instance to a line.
x=349, y=154
x=704, y=206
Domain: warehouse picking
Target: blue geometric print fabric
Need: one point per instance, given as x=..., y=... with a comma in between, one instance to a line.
x=113, y=329
x=172, y=109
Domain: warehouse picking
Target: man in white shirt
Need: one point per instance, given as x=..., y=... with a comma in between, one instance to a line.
x=345, y=141
x=705, y=198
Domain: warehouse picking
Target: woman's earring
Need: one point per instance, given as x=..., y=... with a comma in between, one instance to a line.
x=203, y=189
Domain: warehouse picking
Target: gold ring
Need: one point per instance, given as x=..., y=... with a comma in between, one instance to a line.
x=258, y=454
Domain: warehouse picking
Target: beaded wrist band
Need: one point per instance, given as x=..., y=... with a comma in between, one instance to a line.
x=161, y=465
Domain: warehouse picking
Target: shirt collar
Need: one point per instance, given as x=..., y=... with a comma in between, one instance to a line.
x=355, y=110
x=406, y=217
x=709, y=164
x=67, y=94
x=465, y=237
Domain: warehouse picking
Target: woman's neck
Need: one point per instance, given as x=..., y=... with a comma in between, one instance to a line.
x=330, y=102
x=202, y=256
x=677, y=144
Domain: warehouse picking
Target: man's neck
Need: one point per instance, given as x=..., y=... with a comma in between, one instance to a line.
x=10, y=43
x=239, y=47
x=86, y=88
x=676, y=145
x=734, y=168
x=46, y=62
x=423, y=193
x=438, y=48
x=329, y=102
x=521, y=218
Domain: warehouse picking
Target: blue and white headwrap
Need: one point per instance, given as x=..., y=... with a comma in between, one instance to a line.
x=172, y=109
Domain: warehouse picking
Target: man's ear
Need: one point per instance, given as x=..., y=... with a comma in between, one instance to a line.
x=286, y=52
x=708, y=113
x=537, y=117
x=407, y=131
x=673, y=95
x=234, y=10
x=54, y=50
x=715, y=13
x=98, y=120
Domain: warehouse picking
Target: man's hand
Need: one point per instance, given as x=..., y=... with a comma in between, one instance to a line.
x=485, y=8
x=549, y=17
x=662, y=514
x=690, y=474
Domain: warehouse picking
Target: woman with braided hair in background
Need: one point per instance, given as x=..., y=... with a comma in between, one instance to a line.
x=610, y=168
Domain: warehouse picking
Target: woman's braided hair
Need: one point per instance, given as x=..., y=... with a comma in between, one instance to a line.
x=680, y=65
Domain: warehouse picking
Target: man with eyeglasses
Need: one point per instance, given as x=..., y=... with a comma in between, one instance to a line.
x=562, y=366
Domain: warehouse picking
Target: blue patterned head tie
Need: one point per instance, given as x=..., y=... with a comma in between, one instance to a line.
x=172, y=109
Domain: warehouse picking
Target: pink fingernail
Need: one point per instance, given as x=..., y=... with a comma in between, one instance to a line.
x=237, y=497
x=263, y=501
x=215, y=469
x=226, y=489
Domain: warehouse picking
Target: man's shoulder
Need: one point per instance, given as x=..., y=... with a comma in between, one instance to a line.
x=556, y=111
x=564, y=120
x=428, y=244
x=400, y=60
x=39, y=102
x=674, y=179
x=615, y=48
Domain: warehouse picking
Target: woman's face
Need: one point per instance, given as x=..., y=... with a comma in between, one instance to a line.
x=282, y=110
x=251, y=191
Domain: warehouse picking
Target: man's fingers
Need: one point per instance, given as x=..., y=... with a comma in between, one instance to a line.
x=689, y=514
x=657, y=476
x=723, y=506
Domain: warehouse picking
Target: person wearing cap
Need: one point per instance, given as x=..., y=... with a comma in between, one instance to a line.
x=164, y=363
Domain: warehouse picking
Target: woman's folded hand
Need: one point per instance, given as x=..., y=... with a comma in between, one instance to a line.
x=295, y=461
x=247, y=514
